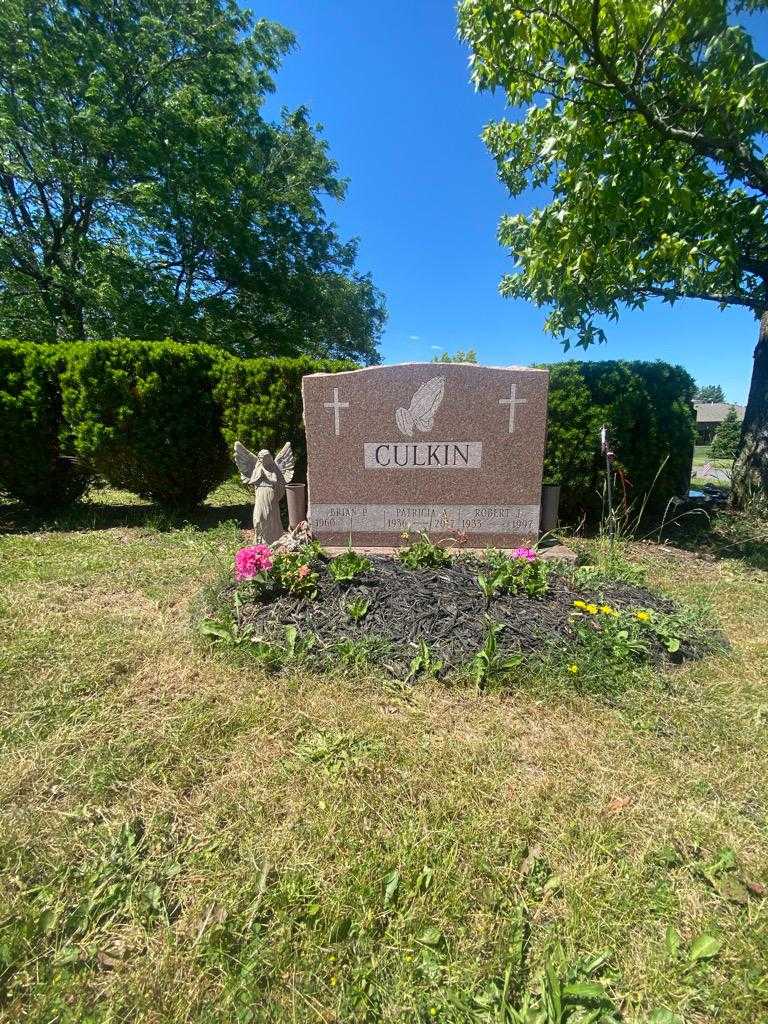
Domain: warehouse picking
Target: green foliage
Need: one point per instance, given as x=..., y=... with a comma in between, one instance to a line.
x=710, y=393
x=424, y=663
x=647, y=409
x=357, y=608
x=424, y=553
x=145, y=416
x=150, y=415
x=490, y=664
x=725, y=443
x=459, y=356
x=348, y=565
x=146, y=194
x=35, y=467
x=261, y=402
x=645, y=122
x=510, y=575
x=292, y=573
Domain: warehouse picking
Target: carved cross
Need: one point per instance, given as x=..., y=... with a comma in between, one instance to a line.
x=512, y=401
x=336, y=405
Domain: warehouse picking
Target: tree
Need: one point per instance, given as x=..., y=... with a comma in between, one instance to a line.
x=710, y=393
x=459, y=356
x=143, y=192
x=725, y=443
x=647, y=119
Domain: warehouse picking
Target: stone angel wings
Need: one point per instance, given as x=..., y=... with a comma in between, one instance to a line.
x=268, y=476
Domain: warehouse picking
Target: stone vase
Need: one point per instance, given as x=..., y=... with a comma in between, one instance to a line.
x=296, y=496
x=550, y=506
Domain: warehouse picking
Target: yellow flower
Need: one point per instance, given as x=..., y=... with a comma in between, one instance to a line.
x=573, y=669
x=607, y=610
x=579, y=604
x=643, y=616
x=433, y=1011
x=592, y=609
x=334, y=981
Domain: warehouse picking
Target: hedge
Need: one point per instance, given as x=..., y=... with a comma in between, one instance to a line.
x=144, y=415
x=648, y=409
x=35, y=466
x=261, y=404
x=159, y=419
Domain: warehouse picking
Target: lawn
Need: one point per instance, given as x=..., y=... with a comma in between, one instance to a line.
x=186, y=838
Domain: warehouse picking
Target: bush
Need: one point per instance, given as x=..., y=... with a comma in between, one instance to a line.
x=262, y=406
x=34, y=468
x=160, y=418
x=648, y=410
x=727, y=437
x=145, y=416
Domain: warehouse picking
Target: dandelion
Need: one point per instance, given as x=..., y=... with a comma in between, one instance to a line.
x=591, y=609
x=334, y=981
x=249, y=562
x=573, y=669
x=581, y=605
x=607, y=610
x=643, y=616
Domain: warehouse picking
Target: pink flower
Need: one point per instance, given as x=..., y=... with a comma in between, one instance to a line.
x=304, y=570
x=251, y=561
x=527, y=553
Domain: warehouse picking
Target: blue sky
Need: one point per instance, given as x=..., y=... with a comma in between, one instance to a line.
x=388, y=80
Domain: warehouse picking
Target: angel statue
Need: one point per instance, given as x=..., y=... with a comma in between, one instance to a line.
x=269, y=477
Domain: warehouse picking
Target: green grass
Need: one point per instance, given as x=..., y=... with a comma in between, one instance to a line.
x=186, y=838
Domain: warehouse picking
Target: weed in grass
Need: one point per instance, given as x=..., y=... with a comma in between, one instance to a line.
x=424, y=663
x=335, y=751
x=491, y=664
x=357, y=653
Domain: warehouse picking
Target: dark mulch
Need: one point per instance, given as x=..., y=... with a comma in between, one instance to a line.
x=445, y=608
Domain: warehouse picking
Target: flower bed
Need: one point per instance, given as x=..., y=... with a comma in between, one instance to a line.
x=426, y=611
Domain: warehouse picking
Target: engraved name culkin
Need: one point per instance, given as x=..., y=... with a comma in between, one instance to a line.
x=423, y=455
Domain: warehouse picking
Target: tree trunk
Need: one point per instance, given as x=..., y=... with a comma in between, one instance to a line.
x=750, y=470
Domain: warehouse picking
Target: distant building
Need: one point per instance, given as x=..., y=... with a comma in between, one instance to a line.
x=709, y=416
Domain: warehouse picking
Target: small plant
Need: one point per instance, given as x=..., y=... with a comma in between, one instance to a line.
x=346, y=567
x=335, y=751
x=358, y=608
x=274, y=656
x=424, y=663
x=358, y=652
x=225, y=632
x=490, y=664
x=295, y=575
x=424, y=553
x=523, y=570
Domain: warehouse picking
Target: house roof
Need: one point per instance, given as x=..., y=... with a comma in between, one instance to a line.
x=715, y=412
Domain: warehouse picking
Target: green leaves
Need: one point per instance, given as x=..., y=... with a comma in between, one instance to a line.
x=704, y=947
x=146, y=194
x=652, y=154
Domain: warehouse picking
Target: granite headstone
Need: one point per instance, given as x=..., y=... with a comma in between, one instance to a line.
x=455, y=449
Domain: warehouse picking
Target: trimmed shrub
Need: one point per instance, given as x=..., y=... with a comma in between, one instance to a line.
x=144, y=415
x=727, y=437
x=648, y=410
x=261, y=402
x=34, y=468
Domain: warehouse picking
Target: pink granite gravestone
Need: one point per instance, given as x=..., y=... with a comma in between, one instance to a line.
x=451, y=448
